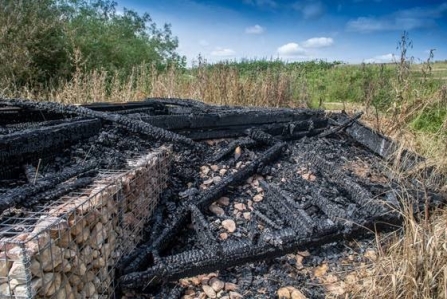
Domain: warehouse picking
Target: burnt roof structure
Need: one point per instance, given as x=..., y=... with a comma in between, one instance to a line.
x=247, y=184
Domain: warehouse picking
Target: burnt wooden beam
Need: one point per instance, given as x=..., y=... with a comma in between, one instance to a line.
x=19, y=147
x=136, y=126
x=25, y=193
x=379, y=144
x=140, y=257
x=226, y=119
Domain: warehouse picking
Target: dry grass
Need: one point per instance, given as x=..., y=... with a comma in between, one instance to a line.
x=223, y=86
x=412, y=262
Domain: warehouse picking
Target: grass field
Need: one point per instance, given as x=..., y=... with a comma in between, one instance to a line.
x=404, y=100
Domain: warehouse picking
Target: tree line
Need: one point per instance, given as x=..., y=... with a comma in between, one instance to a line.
x=44, y=41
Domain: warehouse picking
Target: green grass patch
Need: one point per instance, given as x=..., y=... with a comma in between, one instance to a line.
x=430, y=120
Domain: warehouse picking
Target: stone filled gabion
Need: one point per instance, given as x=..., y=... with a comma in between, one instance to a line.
x=69, y=248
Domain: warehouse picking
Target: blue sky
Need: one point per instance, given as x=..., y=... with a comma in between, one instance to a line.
x=352, y=31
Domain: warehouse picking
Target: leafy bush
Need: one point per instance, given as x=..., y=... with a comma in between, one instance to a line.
x=44, y=41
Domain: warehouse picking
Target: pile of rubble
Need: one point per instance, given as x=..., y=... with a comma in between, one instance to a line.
x=248, y=187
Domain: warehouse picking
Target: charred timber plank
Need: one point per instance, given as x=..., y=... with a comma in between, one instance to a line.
x=147, y=103
x=359, y=195
x=57, y=192
x=201, y=226
x=341, y=126
x=139, y=258
x=380, y=144
x=231, y=147
x=11, y=128
x=329, y=208
x=285, y=205
x=273, y=244
x=136, y=112
x=21, y=194
x=261, y=136
x=178, y=102
x=277, y=130
x=266, y=219
x=193, y=262
x=150, y=105
x=132, y=125
x=231, y=118
x=9, y=171
x=12, y=115
x=300, y=134
x=16, y=146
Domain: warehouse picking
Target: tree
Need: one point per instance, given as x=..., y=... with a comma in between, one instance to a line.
x=39, y=38
x=118, y=41
x=33, y=47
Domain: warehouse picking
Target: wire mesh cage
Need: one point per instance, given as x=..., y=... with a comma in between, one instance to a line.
x=68, y=248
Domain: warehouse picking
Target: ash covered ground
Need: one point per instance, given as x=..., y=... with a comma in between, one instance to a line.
x=260, y=202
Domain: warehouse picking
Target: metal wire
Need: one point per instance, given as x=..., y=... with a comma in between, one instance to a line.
x=72, y=244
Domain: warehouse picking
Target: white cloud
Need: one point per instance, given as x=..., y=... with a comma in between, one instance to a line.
x=291, y=49
x=256, y=29
x=310, y=9
x=204, y=43
x=407, y=19
x=318, y=42
x=381, y=59
x=223, y=52
x=372, y=24
x=434, y=12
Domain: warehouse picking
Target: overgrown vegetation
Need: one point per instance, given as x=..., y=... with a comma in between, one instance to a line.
x=44, y=42
x=77, y=51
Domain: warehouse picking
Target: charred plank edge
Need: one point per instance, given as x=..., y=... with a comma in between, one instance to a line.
x=342, y=126
x=132, y=125
x=58, y=191
x=21, y=194
x=287, y=206
x=231, y=147
x=266, y=219
x=37, y=140
x=380, y=144
x=193, y=262
x=261, y=136
x=14, y=127
x=231, y=118
x=236, y=132
x=204, y=234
